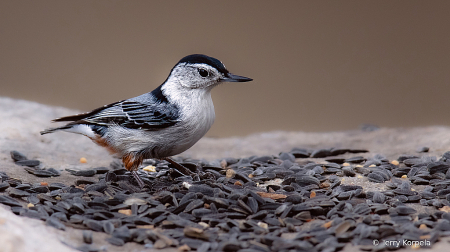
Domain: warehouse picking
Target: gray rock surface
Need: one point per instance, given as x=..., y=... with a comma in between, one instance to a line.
x=22, y=121
x=25, y=234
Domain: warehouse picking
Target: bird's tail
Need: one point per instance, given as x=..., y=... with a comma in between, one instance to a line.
x=51, y=130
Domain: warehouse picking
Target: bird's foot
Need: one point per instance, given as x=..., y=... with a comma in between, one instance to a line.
x=138, y=179
x=180, y=167
x=207, y=175
x=196, y=176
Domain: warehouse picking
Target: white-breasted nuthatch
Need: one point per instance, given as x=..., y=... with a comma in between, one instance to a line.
x=159, y=124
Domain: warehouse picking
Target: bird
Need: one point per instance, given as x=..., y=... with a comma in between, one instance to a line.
x=160, y=124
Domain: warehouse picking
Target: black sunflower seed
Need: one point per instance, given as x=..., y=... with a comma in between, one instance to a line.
x=443, y=193
x=414, y=198
x=17, y=193
x=39, y=189
x=6, y=200
x=54, y=222
x=306, y=180
x=348, y=171
x=55, y=172
x=56, y=186
x=87, y=236
x=357, y=160
x=244, y=206
x=94, y=225
x=321, y=153
x=404, y=192
x=99, y=187
x=378, y=197
x=194, y=205
x=3, y=186
x=300, y=153
x=404, y=210
x=115, y=241
x=422, y=149
x=17, y=156
x=294, y=198
x=438, y=167
x=33, y=214
x=29, y=163
x=287, y=156
x=40, y=173
x=374, y=177
x=205, y=190
x=82, y=173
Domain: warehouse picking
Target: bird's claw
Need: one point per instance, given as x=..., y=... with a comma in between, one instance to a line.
x=138, y=179
x=207, y=175
x=195, y=177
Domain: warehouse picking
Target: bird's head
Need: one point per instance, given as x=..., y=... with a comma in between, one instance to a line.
x=198, y=71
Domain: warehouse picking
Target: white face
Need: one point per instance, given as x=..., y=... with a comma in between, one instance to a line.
x=196, y=76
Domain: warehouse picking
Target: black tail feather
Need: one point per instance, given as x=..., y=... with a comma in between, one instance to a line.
x=51, y=130
x=71, y=118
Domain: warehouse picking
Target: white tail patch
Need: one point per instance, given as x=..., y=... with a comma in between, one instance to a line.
x=82, y=129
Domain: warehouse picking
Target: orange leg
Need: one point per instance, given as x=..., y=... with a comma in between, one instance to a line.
x=130, y=160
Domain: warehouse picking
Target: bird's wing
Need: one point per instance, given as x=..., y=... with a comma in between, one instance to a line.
x=130, y=114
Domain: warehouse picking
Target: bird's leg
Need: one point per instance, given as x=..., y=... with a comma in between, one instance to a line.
x=181, y=168
x=138, y=179
x=132, y=163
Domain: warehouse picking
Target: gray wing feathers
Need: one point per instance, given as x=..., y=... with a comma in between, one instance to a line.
x=132, y=114
x=146, y=111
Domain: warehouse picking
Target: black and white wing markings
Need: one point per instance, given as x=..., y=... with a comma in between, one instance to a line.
x=129, y=114
x=149, y=116
x=135, y=115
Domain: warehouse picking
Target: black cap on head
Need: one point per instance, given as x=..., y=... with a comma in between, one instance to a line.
x=200, y=58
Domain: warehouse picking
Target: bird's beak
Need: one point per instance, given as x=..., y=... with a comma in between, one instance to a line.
x=235, y=78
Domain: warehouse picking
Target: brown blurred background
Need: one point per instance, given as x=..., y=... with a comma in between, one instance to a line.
x=316, y=65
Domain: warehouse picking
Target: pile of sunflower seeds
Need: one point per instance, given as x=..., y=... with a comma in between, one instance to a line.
x=260, y=203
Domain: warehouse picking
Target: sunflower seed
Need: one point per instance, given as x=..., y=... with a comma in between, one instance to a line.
x=17, y=156
x=374, y=177
x=29, y=163
x=193, y=205
x=438, y=167
x=206, y=190
x=87, y=236
x=17, y=193
x=3, y=186
x=321, y=153
x=357, y=160
x=443, y=193
x=348, y=171
x=378, y=197
x=115, y=241
x=404, y=210
x=82, y=173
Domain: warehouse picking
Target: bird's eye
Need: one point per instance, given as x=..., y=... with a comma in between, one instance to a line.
x=203, y=72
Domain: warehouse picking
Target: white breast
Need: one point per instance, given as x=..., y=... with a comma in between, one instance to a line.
x=197, y=115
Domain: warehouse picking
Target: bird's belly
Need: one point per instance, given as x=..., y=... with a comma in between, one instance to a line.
x=186, y=135
x=161, y=143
